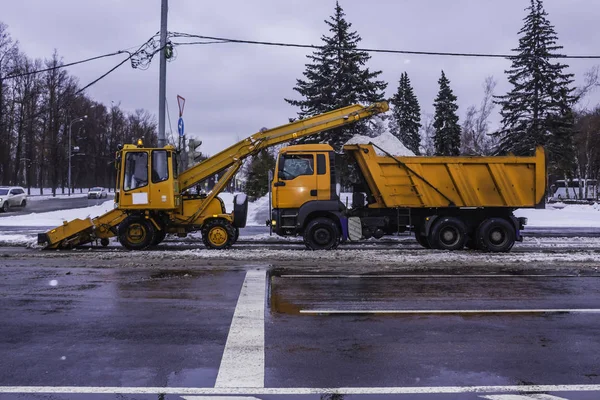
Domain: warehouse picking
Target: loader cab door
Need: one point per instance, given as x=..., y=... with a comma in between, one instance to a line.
x=135, y=191
x=296, y=181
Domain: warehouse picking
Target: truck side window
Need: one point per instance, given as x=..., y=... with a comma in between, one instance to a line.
x=136, y=170
x=294, y=165
x=321, y=167
x=160, y=166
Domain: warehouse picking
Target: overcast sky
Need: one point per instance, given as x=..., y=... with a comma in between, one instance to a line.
x=232, y=90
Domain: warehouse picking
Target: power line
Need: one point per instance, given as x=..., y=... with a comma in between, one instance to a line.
x=216, y=40
x=65, y=65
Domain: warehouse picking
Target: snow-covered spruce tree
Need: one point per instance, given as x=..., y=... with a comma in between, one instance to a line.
x=336, y=77
x=406, y=115
x=538, y=109
x=447, y=129
x=257, y=174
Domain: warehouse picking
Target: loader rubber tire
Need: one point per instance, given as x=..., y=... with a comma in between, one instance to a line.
x=495, y=235
x=159, y=237
x=448, y=233
x=218, y=234
x=321, y=234
x=136, y=233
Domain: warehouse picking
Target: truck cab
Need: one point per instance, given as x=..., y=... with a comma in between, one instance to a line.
x=305, y=187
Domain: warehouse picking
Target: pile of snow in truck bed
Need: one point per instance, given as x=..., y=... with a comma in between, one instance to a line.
x=386, y=141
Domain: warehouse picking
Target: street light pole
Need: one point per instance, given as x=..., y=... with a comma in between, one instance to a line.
x=70, y=149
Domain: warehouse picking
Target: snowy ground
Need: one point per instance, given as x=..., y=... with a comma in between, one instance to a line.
x=560, y=216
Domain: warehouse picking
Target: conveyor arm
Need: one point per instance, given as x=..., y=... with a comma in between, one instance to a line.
x=275, y=136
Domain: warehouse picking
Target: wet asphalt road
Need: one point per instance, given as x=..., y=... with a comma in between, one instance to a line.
x=135, y=327
x=54, y=204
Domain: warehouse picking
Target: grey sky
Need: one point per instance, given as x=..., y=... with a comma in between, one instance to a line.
x=232, y=90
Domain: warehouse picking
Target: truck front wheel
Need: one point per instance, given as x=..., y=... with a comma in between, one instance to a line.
x=321, y=234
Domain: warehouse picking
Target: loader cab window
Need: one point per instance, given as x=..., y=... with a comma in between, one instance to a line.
x=136, y=170
x=160, y=166
x=294, y=165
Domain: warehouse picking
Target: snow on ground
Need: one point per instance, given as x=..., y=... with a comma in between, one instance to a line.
x=386, y=141
x=571, y=215
x=56, y=218
x=58, y=196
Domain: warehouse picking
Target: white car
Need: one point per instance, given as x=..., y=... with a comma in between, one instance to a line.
x=12, y=196
x=97, y=193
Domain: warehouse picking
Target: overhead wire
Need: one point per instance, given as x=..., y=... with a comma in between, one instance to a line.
x=217, y=40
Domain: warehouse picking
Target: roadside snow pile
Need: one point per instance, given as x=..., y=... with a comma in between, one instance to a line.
x=258, y=212
x=16, y=240
x=386, y=141
x=571, y=215
x=56, y=218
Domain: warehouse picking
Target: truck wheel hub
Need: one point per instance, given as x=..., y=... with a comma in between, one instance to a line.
x=497, y=236
x=322, y=236
x=449, y=236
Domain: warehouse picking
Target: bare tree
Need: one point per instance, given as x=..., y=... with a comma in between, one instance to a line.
x=475, y=130
x=427, y=134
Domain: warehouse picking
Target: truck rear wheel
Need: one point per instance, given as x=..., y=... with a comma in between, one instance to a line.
x=321, y=234
x=136, y=233
x=448, y=233
x=218, y=234
x=496, y=235
x=422, y=240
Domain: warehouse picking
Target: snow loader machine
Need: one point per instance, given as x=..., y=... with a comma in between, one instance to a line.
x=152, y=198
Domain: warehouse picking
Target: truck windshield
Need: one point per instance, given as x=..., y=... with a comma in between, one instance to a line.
x=136, y=170
x=294, y=165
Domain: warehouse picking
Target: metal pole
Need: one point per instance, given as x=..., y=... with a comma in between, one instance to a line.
x=162, y=85
x=69, y=175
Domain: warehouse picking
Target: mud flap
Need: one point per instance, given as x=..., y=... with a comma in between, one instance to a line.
x=354, y=228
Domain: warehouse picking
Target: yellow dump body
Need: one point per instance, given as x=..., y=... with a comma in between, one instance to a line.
x=430, y=182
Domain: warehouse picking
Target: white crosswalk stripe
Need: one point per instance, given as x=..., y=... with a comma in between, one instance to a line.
x=537, y=396
x=243, y=362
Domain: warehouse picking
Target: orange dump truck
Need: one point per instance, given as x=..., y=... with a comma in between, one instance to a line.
x=449, y=202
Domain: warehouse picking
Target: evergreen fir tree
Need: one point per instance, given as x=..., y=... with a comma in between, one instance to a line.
x=538, y=109
x=406, y=116
x=337, y=77
x=257, y=176
x=447, y=129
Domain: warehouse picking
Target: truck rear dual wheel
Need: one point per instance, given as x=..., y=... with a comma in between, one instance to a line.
x=448, y=233
x=218, y=234
x=321, y=234
x=422, y=240
x=495, y=235
x=136, y=233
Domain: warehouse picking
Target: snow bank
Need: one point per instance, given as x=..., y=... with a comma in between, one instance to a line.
x=386, y=141
x=572, y=215
x=56, y=218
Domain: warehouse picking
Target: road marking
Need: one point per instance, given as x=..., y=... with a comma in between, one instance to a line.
x=220, y=398
x=416, y=312
x=298, y=391
x=243, y=361
x=302, y=276
x=522, y=397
